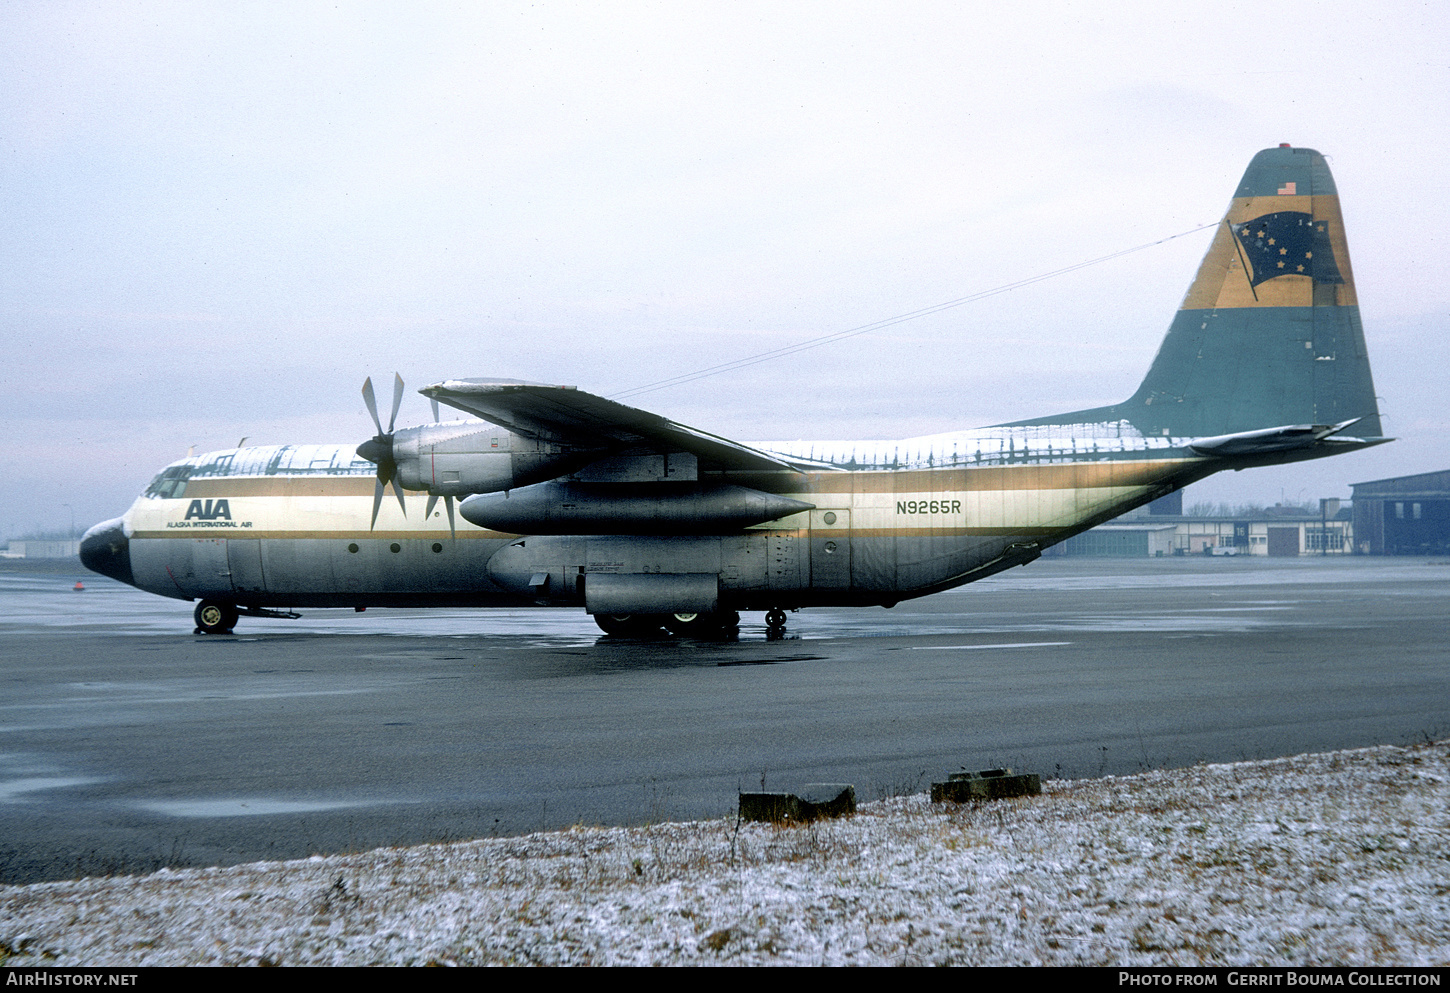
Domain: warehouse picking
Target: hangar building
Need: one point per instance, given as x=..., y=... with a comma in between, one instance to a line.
x=1405, y=515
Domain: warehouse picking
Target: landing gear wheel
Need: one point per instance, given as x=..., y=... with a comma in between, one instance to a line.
x=775, y=619
x=629, y=625
x=702, y=625
x=214, y=617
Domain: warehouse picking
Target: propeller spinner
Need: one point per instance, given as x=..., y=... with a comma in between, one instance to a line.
x=379, y=449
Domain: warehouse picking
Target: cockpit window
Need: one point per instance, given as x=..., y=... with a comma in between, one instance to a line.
x=171, y=483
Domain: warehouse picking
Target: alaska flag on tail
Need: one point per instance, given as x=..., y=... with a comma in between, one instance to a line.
x=1286, y=243
x=1256, y=344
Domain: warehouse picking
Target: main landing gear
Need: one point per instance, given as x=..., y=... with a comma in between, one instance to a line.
x=704, y=626
x=630, y=625
x=684, y=625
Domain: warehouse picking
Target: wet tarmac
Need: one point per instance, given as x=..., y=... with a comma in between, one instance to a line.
x=127, y=743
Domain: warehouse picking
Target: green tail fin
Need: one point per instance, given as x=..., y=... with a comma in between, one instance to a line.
x=1269, y=333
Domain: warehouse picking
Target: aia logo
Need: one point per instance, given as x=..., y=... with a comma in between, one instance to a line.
x=209, y=510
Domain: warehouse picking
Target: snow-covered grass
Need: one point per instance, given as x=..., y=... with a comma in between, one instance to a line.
x=1314, y=860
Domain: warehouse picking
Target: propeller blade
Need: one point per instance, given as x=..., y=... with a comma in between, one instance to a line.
x=397, y=400
x=447, y=502
x=379, y=450
x=377, y=504
x=372, y=402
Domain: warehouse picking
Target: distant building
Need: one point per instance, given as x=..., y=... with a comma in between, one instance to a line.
x=33, y=549
x=1405, y=515
x=1276, y=531
x=1121, y=541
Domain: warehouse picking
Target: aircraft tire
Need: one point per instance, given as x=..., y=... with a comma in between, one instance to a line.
x=702, y=625
x=775, y=619
x=215, y=617
x=629, y=625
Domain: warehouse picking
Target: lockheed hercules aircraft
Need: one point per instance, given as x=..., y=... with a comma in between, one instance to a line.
x=570, y=499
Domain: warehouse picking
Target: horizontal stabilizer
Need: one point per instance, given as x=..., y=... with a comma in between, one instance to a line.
x=1281, y=439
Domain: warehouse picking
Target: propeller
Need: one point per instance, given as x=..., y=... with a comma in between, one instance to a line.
x=433, y=497
x=379, y=449
x=447, y=502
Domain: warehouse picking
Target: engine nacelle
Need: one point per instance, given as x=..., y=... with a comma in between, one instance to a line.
x=462, y=457
x=627, y=508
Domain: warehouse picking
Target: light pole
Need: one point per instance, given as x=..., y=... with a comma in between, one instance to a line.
x=71, y=534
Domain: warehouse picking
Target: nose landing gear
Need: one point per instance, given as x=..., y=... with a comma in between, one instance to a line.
x=214, y=617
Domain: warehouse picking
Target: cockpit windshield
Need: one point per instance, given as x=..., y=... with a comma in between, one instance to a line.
x=171, y=482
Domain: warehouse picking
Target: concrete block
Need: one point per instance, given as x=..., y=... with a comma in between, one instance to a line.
x=988, y=784
x=776, y=808
x=829, y=799
x=815, y=801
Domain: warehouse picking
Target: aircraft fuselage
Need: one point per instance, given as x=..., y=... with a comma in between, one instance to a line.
x=870, y=536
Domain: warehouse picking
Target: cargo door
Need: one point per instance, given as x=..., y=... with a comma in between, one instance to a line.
x=873, y=533
x=831, y=549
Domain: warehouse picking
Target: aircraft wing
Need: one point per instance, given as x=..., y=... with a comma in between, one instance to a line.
x=567, y=414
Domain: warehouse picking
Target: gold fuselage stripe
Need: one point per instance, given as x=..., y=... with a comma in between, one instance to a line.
x=1031, y=500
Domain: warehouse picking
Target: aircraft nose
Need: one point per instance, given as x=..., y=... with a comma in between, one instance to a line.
x=106, y=549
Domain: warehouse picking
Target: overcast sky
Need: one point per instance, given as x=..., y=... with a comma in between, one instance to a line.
x=219, y=219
